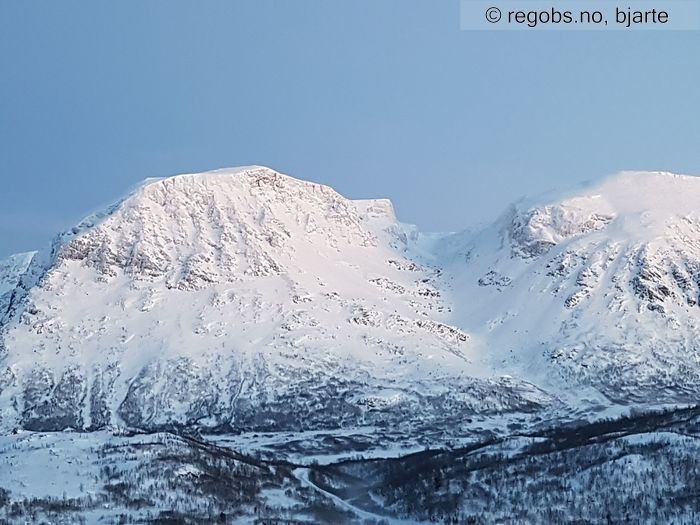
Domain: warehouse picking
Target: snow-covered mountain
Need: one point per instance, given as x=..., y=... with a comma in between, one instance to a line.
x=240, y=299
x=248, y=300
x=246, y=347
x=596, y=288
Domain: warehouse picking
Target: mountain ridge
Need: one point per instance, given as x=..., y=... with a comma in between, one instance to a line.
x=239, y=300
x=226, y=299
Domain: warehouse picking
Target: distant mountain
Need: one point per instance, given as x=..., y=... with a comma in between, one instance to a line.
x=237, y=300
x=598, y=288
x=216, y=336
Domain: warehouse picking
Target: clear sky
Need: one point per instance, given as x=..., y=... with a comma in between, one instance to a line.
x=376, y=98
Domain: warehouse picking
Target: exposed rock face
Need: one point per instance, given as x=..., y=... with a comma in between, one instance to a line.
x=52, y=403
x=534, y=232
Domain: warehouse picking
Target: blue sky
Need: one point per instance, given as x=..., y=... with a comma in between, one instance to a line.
x=376, y=98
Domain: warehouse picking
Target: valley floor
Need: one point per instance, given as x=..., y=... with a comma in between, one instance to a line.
x=643, y=468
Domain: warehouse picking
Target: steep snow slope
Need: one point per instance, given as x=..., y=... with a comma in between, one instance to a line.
x=598, y=288
x=240, y=299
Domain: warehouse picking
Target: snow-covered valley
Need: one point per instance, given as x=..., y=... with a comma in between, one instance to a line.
x=248, y=313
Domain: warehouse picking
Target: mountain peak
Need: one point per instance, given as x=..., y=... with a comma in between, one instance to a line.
x=218, y=225
x=593, y=276
x=630, y=206
x=260, y=176
x=642, y=191
x=629, y=192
